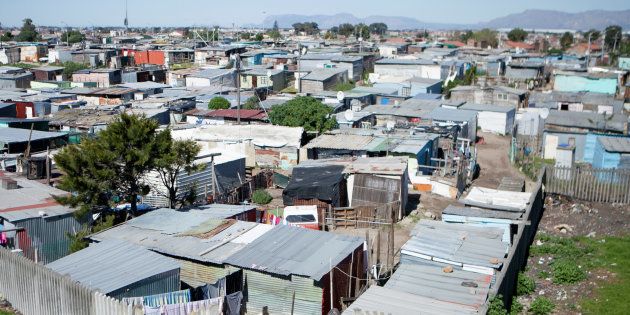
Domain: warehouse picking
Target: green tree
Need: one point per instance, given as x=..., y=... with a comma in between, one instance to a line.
x=72, y=37
x=259, y=37
x=7, y=36
x=362, y=31
x=28, y=33
x=378, y=28
x=593, y=33
x=261, y=197
x=330, y=35
x=517, y=35
x=310, y=28
x=613, y=37
x=346, y=29
x=252, y=103
x=70, y=67
x=566, y=40
x=113, y=164
x=180, y=157
x=246, y=36
x=486, y=36
x=465, y=36
x=304, y=111
x=275, y=31
x=219, y=103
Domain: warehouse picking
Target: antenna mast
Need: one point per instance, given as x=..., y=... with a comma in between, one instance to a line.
x=126, y=17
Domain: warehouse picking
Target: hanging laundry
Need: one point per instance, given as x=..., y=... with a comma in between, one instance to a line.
x=233, y=303
x=205, y=307
x=182, y=296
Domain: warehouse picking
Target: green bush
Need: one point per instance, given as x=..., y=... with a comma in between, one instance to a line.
x=544, y=274
x=219, y=103
x=566, y=271
x=496, y=306
x=261, y=197
x=525, y=285
x=517, y=307
x=541, y=306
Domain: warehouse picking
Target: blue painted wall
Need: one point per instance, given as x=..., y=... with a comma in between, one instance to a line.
x=569, y=83
x=624, y=63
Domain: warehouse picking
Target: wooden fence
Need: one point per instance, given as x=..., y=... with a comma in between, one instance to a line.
x=34, y=289
x=597, y=185
x=237, y=195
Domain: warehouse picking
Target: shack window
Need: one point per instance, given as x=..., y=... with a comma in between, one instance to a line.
x=300, y=218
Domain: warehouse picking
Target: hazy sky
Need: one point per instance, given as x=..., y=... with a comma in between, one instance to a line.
x=226, y=12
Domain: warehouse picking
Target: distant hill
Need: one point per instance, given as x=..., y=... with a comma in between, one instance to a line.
x=546, y=19
x=530, y=19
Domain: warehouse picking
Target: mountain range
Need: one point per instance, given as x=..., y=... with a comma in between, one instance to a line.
x=529, y=19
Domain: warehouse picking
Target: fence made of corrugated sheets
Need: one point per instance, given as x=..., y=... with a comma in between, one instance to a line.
x=506, y=279
x=590, y=184
x=34, y=289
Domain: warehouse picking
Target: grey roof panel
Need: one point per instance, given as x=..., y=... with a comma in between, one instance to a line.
x=615, y=144
x=112, y=265
x=288, y=250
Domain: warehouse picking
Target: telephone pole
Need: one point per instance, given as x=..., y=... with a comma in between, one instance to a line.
x=237, y=63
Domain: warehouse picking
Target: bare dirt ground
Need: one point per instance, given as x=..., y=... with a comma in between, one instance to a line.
x=582, y=218
x=494, y=161
x=566, y=217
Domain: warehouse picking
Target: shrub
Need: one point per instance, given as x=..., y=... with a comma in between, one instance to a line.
x=219, y=103
x=544, y=274
x=516, y=308
x=252, y=103
x=261, y=197
x=496, y=306
x=525, y=285
x=565, y=271
x=541, y=306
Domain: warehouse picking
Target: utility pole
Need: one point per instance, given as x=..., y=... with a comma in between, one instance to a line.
x=588, y=54
x=238, y=88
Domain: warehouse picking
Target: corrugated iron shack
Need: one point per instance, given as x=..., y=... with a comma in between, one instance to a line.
x=128, y=271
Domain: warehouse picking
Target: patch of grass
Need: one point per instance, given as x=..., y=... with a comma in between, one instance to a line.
x=560, y=247
x=612, y=297
x=543, y=274
x=525, y=284
x=496, y=306
x=541, y=306
x=516, y=308
x=261, y=197
x=565, y=271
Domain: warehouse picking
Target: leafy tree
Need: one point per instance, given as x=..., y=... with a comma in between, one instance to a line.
x=613, y=37
x=219, y=103
x=378, y=28
x=78, y=240
x=261, y=197
x=487, y=36
x=180, y=157
x=330, y=35
x=465, y=36
x=362, y=31
x=310, y=28
x=275, y=31
x=334, y=30
x=246, y=36
x=346, y=29
x=593, y=33
x=252, y=103
x=70, y=67
x=7, y=36
x=304, y=111
x=566, y=40
x=113, y=164
x=344, y=86
x=28, y=33
x=72, y=37
x=517, y=35
x=259, y=37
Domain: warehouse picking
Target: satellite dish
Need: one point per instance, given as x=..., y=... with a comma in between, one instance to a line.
x=304, y=51
x=269, y=74
x=360, y=39
x=544, y=113
x=348, y=115
x=340, y=96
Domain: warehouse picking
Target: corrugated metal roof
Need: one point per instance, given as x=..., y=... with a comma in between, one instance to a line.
x=289, y=250
x=323, y=74
x=615, y=144
x=498, y=199
x=380, y=300
x=405, y=62
x=17, y=135
x=457, y=244
x=481, y=213
x=361, y=165
x=431, y=282
x=487, y=108
x=112, y=265
x=346, y=142
x=30, y=200
x=191, y=234
x=446, y=114
x=261, y=135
